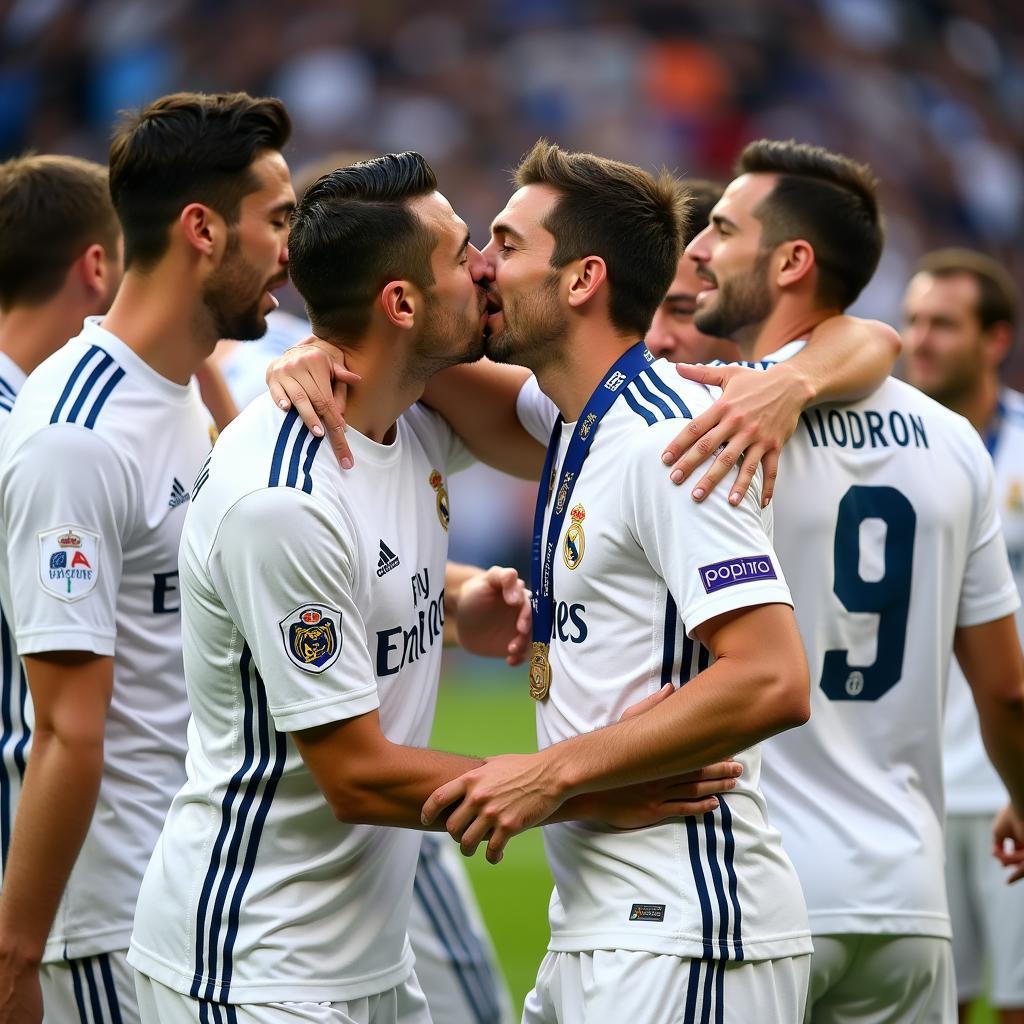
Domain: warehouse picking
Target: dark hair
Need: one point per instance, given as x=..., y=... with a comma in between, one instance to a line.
x=632, y=220
x=704, y=196
x=829, y=201
x=52, y=208
x=352, y=232
x=187, y=148
x=997, y=294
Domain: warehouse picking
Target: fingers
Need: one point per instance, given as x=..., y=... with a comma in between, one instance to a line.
x=645, y=705
x=443, y=797
x=715, y=376
x=749, y=462
x=724, y=769
x=693, y=436
x=690, y=808
x=771, y=473
x=496, y=845
x=701, y=789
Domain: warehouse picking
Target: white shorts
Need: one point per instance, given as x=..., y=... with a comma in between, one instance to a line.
x=159, y=1004
x=616, y=985
x=987, y=914
x=92, y=990
x=881, y=979
x=455, y=961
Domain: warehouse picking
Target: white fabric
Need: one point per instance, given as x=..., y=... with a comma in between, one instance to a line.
x=648, y=988
x=881, y=979
x=94, y=990
x=857, y=792
x=987, y=915
x=403, y=1004
x=310, y=596
x=106, y=482
x=455, y=961
x=972, y=784
x=719, y=886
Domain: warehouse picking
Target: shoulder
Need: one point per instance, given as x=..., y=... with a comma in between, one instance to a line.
x=659, y=395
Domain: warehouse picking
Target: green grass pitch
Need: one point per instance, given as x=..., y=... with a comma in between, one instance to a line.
x=493, y=714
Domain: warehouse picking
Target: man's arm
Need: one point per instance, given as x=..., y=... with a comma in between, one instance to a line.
x=844, y=359
x=486, y=611
x=70, y=696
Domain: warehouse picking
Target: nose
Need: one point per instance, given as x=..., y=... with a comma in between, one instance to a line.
x=659, y=338
x=697, y=250
x=480, y=267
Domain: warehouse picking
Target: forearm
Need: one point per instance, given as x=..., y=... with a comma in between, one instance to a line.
x=455, y=575
x=845, y=359
x=1003, y=736
x=54, y=814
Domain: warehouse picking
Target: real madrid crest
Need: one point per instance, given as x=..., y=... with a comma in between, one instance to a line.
x=311, y=636
x=575, y=540
x=443, y=511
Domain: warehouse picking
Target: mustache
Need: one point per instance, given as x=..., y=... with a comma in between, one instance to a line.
x=705, y=275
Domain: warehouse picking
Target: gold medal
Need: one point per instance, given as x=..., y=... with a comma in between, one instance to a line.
x=540, y=671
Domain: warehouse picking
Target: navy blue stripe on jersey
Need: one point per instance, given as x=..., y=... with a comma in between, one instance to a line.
x=111, y=989
x=90, y=383
x=76, y=985
x=296, y=455
x=703, y=658
x=479, y=991
x=668, y=657
x=693, y=843
x=730, y=871
x=638, y=408
x=709, y=979
x=73, y=379
x=7, y=391
x=686, y=661
x=711, y=839
x=307, y=466
x=279, y=448
x=692, y=990
x=655, y=400
x=201, y=477
x=720, y=970
x=230, y=794
x=94, y=992
x=7, y=404
x=13, y=697
x=255, y=833
x=101, y=398
x=655, y=378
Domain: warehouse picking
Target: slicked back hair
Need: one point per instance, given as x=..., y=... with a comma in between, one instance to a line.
x=704, y=196
x=829, y=201
x=997, y=294
x=632, y=220
x=188, y=148
x=52, y=208
x=352, y=232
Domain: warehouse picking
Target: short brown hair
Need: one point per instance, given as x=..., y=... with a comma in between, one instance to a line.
x=352, y=232
x=829, y=201
x=632, y=220
x=997, y=294
x=704, y=196
x=187, y=148
x=52, y=208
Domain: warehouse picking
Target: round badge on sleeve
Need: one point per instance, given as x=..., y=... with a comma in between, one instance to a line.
x=312, y=636
x=69, y=562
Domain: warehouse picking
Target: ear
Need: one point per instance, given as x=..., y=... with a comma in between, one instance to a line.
x=794, y=260
x=996, y=343
x=400, y=301
x=93, y=269
x=587, y=276
x=203, y=229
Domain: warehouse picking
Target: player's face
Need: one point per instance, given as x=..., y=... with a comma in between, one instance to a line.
x=736, y=292
x=238, y=293
x=454, y=306
x=528, y=321
x=673, y=334
x=944, y=343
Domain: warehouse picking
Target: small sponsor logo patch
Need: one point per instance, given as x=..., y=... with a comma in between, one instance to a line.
x=736, y=570
x=386, y=560
x=311, y=636
x=69, y=562
x=647, y=912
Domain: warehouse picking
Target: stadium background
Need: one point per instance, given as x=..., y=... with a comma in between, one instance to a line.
x=930, y=92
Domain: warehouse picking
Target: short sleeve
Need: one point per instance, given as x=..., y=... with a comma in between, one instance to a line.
x=536, y=412
x=455, y=456
x=66, y=516
x=285, y=567
x=988, y=591
x=714, y=558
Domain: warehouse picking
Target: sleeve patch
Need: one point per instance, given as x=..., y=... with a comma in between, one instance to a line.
x=69, y=561
x=719, y=575
x=312, y=636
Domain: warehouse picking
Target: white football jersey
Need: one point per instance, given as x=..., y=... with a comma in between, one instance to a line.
x=972, y=784
x=886, y=525
x=638, y=566
x=15, y=707
x=95, y=463
x=310, y=596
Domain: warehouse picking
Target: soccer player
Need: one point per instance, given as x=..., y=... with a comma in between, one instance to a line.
x=313, y=610
x=96, y=465
x=885, y=523
x=961, y=312
x=635, y=589
x=60, y=261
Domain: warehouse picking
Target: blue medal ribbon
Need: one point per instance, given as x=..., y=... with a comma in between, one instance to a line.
x=994, y=429
x=626, y=369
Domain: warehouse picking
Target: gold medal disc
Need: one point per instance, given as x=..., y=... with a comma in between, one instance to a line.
x=540, y=671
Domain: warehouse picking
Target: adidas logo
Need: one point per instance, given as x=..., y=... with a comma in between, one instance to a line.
x=178, y=494
x=387, y=561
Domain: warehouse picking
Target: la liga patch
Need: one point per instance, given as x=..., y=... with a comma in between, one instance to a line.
x=69, y=561
x=312, y=636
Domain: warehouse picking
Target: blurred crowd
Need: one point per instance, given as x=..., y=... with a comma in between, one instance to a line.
x=929, y=92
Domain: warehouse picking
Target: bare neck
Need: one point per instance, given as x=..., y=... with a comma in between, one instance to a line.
x=162, y=318
x=787, y=322
x=979, y=405
x=30, y=334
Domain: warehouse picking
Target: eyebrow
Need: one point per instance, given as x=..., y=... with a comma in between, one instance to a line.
x=680, y=297
x=718, y=220
x=286, y=207
x=503, y=229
